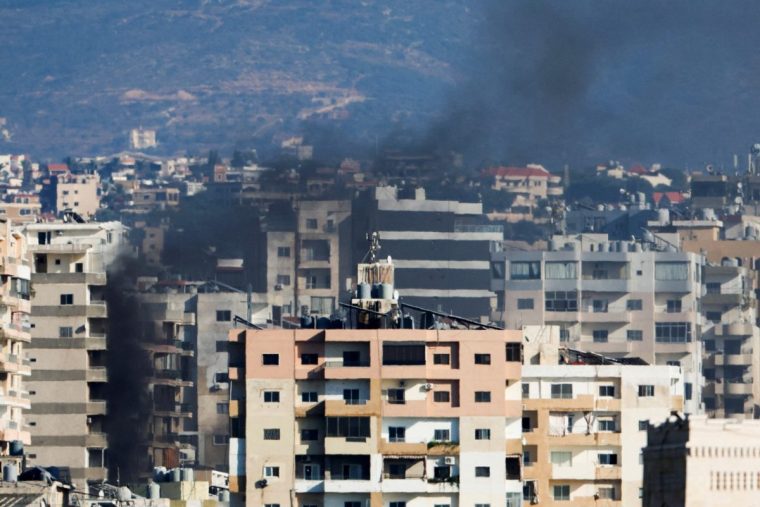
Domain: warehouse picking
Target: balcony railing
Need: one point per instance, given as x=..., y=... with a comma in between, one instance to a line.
x=346, y=364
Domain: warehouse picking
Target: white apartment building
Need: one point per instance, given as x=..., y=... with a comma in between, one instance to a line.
x=617, y=298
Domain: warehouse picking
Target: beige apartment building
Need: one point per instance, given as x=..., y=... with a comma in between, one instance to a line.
x=69, y=326
x=584, y=424
x=375, y=417
x=617, y=298
x=14, y=339
x=700, y=462
x=79, y=193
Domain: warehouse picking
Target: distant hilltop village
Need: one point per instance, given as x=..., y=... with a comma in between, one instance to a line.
x=405, y=330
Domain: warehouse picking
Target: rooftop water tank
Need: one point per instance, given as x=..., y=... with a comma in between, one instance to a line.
x=365, y=291
x=10, y=473
x=186, y=474
x=154, y=491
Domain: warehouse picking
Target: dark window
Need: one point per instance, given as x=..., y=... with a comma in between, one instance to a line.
x=79, y=267
x=272, y=434
x=353, y=358
x=561, y=492
x=525, y=270
x=222, y=346
x=482, y=472
x=714, y=316
x=403, y=355
x=67, y=299
x=600, y=306
x=646, y=391
x=525, y=304
x=309, y=397
x=309, y=358
x=482, y=358
x=311, y=223
x=672, y=332
x=687, y=390
x=561, y=301
x=397, y=396
x=607, y=391
x=710, y=345
x=634, y=305
x=634, y=335
x=513, y=469
x=283, y=280
x=643, y=424
x=600, y=335
x=514, y=352
x=674, y=306
x=350, y=427
x=271, y=396
x=222, y=408
x=396, y=434
x=441, y=396
x=482, y=434
x=441, y=435
x=271, y=359
x=223, y=315
x=482, y=397
x=608, y=458
x=283, y=251
x=563, y=391
x=441, y=358
x=309, y=435
x=66, y=332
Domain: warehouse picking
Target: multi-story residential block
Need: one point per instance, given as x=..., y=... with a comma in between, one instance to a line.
x=141, y=138
x=700, y=462
x=14, y=340
x=584, y=426
x=622, y=299
x=731, y=341
x=440, y=248
x=308, y=258
x=79, y=193
x=380, y=417
x=69, y=325
x=150, y=198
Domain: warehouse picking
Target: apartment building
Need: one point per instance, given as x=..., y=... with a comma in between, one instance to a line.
x=701, y=462
x=307, y=258
x=621, y=299
x=14, y=341
x=79, y=193
x=584, y=426
x=381, y=417
x=68, y=328
x=440, y=248
x=731, y=340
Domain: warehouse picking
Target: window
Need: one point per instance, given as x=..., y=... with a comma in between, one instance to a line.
x=309, y=397
x=561, y=492
x=634, y=335
x=562, y=458
x=309, y=435
x=714, y=316
x=441, y=358
x=222, y=408
x=221, y=439
x=441, y=396
x=713, y=287
x=529, y=490
x=403, y=355
x=600, y=335
x=442, y=435
x=483, y=434
x=271, y=396
x=270, y=359
x=607, y=424
x=599, y=305
x=482, y=358
x=525, y=304
x=273, y=505
x=606, y=492
x=564, y=335
x=222, y=346
x=674, y=306
x=352, y=397
x=710, y=345
x=482, y=471
x=283, y=251
x=514, y=352
x=608, y=458
x=349, y=427
x=525, y=390
x=646, y=391
x=607, y=391
x=67, y=299
x=272, y=434
x=397, y=504
x=634, y=305
x=283, y=280
x=66, y=332
x=223, y=315
x=671, y=271
x=309, y=358
x=561, y=301
x=270, y=471
x=311, y=223
x=397, y=396
x=352, y=504
x=482, y=397
x=643, y=423
x=525, y=270
x=672, y=332
x=396, y=434
x=687, y=390
x=561, y=271
x=562, y=391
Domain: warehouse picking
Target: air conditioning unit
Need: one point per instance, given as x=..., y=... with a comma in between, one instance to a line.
x=278, y=286
x=428, y=387
x=448, y=460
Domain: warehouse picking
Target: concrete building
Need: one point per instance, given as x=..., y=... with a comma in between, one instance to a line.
x=584, y=426
x=140, y=138
x=376, y=416
x=14, y=341
x=700, y=462
x=621, y=299
x=440, y=248
x=79, y=193
x=69, y=326
x=148, y=199
x=307, y=258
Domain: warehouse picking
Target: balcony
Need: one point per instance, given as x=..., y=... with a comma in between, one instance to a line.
x=95, y=341
x=419, y=485
x=735, y=329
x=171, y=347
x=184, y=410
x=347, y=370
x=337, y=485
x=15, y=398
x=170, y=378
x=96, y=440
x=309, y=486
x=743, y=359
x=97, y=310
x=614, y=317
x=96, y=374
x=349, y=445
x=723, y=299
x=97, y=279
x=739, y=388
x=96, y=407
x=674, y=286
x=12, y=363
x=605, y=285
x=15, y=332
x=602, y=438
x=352, y=408
x=403, y=448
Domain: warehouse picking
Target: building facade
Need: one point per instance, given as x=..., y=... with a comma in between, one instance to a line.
x=380, y=417
x=68, y=328
x=79, y=193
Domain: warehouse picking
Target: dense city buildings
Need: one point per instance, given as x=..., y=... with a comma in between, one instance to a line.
x=69, y=322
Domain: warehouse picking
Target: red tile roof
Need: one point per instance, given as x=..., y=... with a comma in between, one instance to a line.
x=673, y=197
